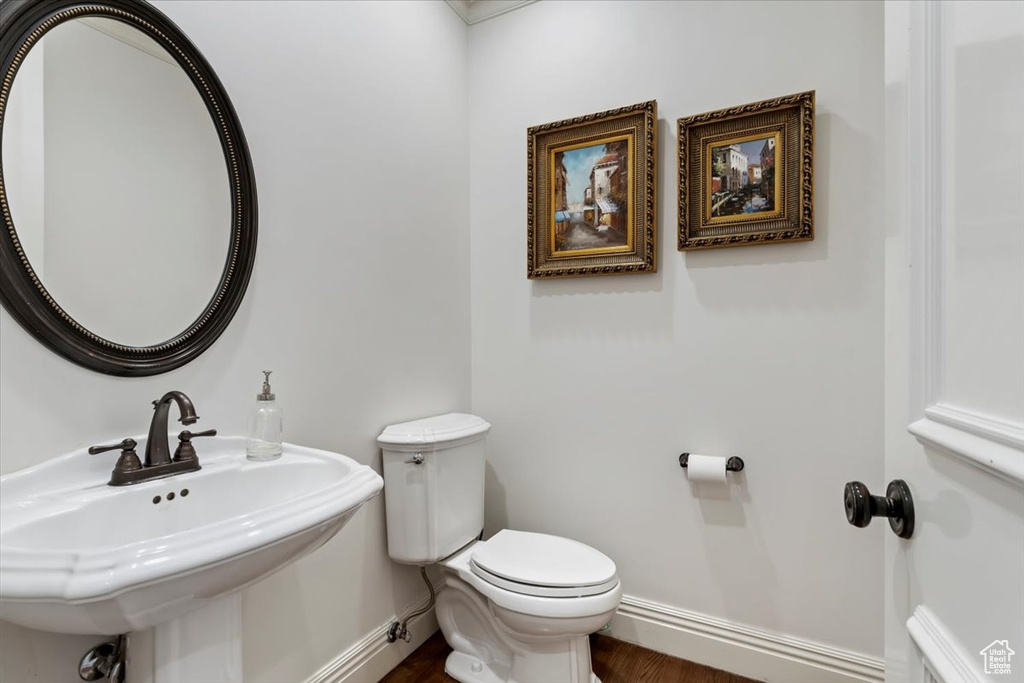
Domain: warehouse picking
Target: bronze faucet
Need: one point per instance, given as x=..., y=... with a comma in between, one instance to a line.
x=158, y=462
x=158, y=451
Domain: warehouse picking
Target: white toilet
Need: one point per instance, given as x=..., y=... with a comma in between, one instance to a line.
x=515, y=608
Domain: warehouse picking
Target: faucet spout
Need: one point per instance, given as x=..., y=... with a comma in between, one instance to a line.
x=157, y=450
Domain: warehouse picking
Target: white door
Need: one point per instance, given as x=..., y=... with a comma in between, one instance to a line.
x=954, y=172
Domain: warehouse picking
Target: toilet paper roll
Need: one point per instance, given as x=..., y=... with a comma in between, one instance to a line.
x=705, y=468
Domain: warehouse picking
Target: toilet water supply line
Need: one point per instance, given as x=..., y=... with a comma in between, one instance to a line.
x=397, y=630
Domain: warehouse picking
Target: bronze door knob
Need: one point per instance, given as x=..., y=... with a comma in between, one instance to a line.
x=897, y=506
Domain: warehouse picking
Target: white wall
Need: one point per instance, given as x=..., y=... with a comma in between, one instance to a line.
x=359, y=301
x=594, y=386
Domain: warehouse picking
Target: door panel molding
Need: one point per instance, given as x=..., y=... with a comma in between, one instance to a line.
x=993, y=444
x=991, y=456
x=925, y=129
x=985, y=426
x=944, y=658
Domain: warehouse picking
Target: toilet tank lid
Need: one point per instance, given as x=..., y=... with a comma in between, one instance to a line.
x=431, y=430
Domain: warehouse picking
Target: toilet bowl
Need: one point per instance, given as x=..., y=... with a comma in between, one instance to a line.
x=516, y=608
x=520, y=607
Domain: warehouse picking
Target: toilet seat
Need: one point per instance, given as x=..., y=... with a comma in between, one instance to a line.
x=542, y=591
x=534, y=605
x=542, y=565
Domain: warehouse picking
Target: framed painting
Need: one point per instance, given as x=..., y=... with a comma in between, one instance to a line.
x=590, y=194
x=746, y=174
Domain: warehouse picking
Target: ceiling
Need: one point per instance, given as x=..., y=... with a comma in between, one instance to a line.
x=475, y=11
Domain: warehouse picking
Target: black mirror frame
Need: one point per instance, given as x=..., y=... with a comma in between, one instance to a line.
x=22, y=24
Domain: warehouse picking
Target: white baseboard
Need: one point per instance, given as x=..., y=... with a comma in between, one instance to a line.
x=744, y=650
x=370, y=659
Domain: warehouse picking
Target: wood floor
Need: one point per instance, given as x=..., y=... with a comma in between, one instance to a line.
x=614, y=662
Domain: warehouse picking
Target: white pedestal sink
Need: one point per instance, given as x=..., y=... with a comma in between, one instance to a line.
x=79, y=556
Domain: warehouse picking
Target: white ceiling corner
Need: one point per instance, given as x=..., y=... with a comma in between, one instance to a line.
x=129, y=35
x=475, y=11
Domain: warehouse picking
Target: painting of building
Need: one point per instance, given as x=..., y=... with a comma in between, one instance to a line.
x=768, y=169
x=600, y=176
x=590, y=196
x=754, y=174
x=730, y=163
x=739, y=186
x=605, y=179
x=561, y=200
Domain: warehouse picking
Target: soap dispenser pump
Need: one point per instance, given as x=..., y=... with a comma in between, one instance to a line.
x=266, y=426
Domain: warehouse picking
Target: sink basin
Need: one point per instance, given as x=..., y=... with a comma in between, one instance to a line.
x=79, y=556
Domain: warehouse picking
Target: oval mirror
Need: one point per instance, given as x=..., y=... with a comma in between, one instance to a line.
x=126, y=187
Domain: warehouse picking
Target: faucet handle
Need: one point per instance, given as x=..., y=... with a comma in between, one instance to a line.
x=185, y=449
x=186, y=434
x=129, y=460
x=126, y=445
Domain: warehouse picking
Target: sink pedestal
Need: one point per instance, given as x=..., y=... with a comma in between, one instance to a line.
x=204, y=645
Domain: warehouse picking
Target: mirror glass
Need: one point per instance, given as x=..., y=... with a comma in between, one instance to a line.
x=116, y=181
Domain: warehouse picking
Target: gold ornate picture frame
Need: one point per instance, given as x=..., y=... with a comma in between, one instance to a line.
x=591, y=194
x=746, y=174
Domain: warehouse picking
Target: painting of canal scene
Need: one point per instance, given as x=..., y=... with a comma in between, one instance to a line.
x=591, y=197
x=746, y=174
x=591, y=187
x=743, y=177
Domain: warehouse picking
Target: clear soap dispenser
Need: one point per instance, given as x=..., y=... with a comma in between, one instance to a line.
x=266, y=426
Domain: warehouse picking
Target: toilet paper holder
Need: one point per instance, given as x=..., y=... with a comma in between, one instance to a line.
x=733, y=464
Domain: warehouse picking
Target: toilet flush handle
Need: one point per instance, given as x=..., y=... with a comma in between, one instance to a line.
x=416, y=459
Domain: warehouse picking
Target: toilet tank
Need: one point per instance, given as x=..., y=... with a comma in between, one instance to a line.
x=433, y=485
